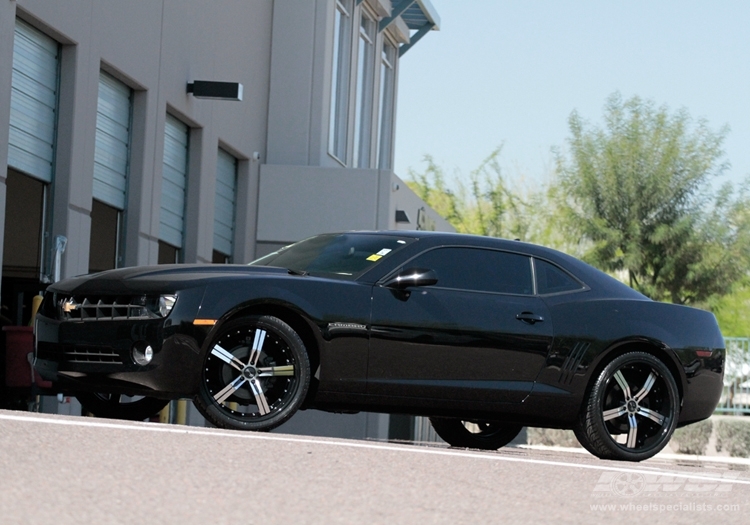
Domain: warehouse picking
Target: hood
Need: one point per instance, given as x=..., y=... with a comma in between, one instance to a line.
x=163, y=278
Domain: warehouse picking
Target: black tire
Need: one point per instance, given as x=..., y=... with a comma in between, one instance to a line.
x=245, y=389
x=631, y=410
x=484, y=435
x=116, y=406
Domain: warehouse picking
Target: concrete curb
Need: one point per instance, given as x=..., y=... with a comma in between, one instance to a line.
x=661, y=455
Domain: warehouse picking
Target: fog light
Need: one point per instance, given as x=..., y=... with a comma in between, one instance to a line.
x=142, y=353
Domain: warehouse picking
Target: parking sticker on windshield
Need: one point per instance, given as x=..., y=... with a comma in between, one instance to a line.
x=376, y=256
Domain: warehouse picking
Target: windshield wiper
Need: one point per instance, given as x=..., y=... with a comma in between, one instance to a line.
x=297, y=272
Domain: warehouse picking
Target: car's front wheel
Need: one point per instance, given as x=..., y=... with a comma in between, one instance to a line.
x=484, y=435
x=255, y=375
x=631, y=410
x=116, y=406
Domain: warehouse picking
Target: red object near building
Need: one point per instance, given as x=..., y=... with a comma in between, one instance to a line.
x=19, y=346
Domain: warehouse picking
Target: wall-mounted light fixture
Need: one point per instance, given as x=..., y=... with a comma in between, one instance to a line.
x=401, y=216
x=215, y=90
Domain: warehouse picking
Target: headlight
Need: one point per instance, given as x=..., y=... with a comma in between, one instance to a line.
x=166, y=303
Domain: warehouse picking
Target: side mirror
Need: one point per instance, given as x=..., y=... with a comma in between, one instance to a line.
x=412, y=277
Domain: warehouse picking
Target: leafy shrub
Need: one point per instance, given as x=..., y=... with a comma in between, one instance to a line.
x=733, y=435
x=551, y=437
x=693, y=439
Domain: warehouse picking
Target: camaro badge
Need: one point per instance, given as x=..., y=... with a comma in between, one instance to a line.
x=69, y=305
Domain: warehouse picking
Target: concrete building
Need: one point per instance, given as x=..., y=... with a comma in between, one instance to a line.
x=102, y=144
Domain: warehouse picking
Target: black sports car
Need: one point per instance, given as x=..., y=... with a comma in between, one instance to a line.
x=463, y=329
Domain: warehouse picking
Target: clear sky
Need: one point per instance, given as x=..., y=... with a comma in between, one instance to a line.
x=511, y=72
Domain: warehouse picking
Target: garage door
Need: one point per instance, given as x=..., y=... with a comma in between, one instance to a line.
x=33, y=102
x=112, y=151
x=225, y=203
x=174, y=182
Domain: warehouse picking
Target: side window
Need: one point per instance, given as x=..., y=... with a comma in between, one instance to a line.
x=478, y=269
x=551, y=279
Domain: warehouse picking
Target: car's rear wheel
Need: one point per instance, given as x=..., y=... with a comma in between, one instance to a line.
x=255, y=375
x=632, y=409
x=116, y=406
x=481, y=434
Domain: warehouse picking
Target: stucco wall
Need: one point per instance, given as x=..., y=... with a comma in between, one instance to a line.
x=296, y=202
x=175, y=42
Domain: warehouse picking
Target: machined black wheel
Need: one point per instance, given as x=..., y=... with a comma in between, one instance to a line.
x=255, y=375
x=116, y=406
x=632, y=409
x=484, y=435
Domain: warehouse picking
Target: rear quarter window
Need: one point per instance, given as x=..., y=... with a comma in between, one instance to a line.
x=552, y=279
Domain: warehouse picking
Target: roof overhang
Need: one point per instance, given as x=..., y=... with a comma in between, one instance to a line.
x=418, y=15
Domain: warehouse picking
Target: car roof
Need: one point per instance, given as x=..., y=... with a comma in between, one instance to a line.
x=435, y=238
x=594, y=278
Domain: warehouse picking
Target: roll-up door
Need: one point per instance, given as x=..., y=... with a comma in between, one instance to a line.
x=112, y=151
x=225, y=203
x=174, y=182
x=33, y=102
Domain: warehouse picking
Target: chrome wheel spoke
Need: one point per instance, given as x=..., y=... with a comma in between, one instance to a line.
x=260, y=397
x=275, y=371
x=633, y=433
x=260, y=337
x=255, y=375
x=228, y=390
x=612, y=413
x=654, y=416
x=623, y=384
x=632, y=409
x=646, y=387
x=228, y=358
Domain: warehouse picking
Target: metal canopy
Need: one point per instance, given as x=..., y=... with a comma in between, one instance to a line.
x=419, y=16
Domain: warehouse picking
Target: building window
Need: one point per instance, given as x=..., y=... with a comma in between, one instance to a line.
x=363, y=103
x=111, y=167
x=24, y=217
x=105, y=237
x=341, y=66
x=225, y=204
x=168, y=254
x=173, y=190
x=385, y=113
x=25, y=203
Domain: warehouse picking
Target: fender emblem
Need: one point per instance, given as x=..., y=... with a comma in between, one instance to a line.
x=346, y=327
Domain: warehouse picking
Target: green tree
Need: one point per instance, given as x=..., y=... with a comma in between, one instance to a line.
x=733, y=311
x=484, y=204
x=638, y=193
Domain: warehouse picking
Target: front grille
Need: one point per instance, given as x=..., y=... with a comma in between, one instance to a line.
x=68, y=353
x=92, y=354
x=106, y=308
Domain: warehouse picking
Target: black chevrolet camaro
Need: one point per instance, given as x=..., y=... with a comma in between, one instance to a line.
x=482, y=335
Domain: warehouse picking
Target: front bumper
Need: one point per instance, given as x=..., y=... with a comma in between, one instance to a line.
x=100, y=359
x=97, y=355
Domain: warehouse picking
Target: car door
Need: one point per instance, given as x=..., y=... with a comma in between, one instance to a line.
x=478, y=334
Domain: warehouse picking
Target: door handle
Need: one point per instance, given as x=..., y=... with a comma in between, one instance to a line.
x=529, y=317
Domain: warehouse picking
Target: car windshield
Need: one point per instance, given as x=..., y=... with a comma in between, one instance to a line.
x=343, y=255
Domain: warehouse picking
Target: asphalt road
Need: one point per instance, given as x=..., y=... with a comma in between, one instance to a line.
x=73, y=470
